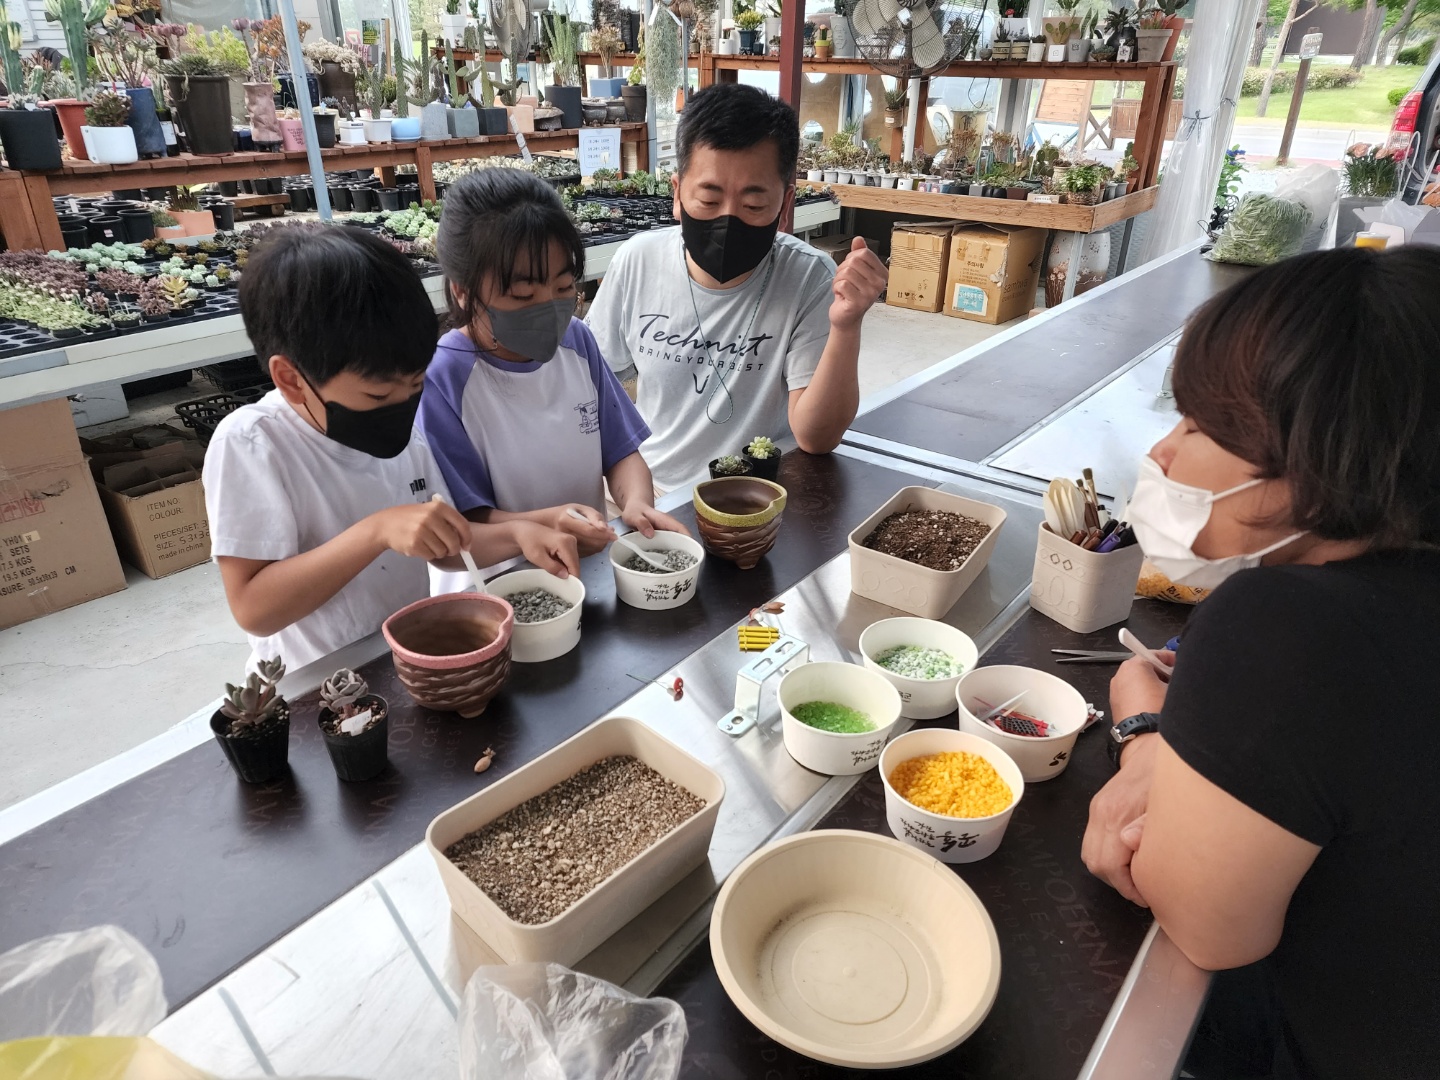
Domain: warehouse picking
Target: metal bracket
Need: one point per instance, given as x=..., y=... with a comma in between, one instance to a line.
x=786, y=654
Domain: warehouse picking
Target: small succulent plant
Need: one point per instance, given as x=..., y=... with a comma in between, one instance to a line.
x=342, y=692
x=730, y=465
x=258, y=700
x=762, y=448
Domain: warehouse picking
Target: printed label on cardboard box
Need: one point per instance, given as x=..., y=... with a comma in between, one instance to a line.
x=970, y=298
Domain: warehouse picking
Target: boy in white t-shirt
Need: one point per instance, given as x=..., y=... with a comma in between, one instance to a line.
x=320, y=494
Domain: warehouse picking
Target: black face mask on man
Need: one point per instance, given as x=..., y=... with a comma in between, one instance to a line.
x=727, y=246
x=382, y=432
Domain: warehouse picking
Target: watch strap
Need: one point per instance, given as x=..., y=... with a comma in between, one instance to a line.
x=1128, y=729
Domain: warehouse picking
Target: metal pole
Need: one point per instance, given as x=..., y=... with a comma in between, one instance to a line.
x=307, y=115
x=1301, y=77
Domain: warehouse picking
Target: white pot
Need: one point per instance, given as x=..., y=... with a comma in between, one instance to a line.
x=1077, y=50
x=452, y=27
x=888, y=181
x=656, y=592
x=376, y=131
x=772, y=30
x=1047, y=698
x=1055, y=54
x=351, y=132
x=904, y=183
x=845, y=684
x=922, y=699
x=1036, y=52
x=815, y=175
x=832, y=176
x=842, y=37
x=110, y=145
x=730, y=44
x=534, y=642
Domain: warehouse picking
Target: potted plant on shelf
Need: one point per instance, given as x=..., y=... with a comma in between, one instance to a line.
x=259, y=88
x=562, y=39
x=252, y=724
x=824, y=45
x=463, y=122
x=607, y=42
x=633, y=93
x=896, y=99
x=336, y=67
x=198, y=86
x=184, y=207
x=1174, y=22
x=1014, y=21
x=763, y=457
x=1035, y=52
x=749, y=24
x=452, y=23
x=1082, y=183
x=125, y=60
x=1059, y=29
x=355, y=725
x=27, y=133
x=1152, y=35
x=76, y=19
x=729, y=465
x=372, y=92
x=1120, y=34
x=107, y=135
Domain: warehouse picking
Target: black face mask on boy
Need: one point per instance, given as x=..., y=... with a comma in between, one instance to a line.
x=381, y=432
x=727, y=246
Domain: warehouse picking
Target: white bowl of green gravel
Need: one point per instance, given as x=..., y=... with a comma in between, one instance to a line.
x=547, y=613
x=653, y=590
x=923, y=659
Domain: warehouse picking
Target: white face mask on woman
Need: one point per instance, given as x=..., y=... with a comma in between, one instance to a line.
x=1167, y=516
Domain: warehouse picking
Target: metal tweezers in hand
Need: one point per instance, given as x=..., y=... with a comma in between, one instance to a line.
x=1090, y=656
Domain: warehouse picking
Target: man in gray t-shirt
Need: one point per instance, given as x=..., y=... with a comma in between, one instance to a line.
x=732, y=329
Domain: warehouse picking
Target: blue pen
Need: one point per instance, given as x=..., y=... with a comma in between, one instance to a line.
x=1173, y=644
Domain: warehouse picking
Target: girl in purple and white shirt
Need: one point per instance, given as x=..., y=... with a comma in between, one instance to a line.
x=521, y=410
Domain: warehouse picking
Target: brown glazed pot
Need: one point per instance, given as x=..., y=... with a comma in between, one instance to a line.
x=739, y=517
x=452, y=652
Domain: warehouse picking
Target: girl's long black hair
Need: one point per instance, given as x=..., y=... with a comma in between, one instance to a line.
x=491, y=218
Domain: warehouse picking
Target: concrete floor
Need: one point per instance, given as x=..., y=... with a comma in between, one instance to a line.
x=82, y=685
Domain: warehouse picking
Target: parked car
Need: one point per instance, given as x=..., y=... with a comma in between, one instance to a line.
x=1416, y=129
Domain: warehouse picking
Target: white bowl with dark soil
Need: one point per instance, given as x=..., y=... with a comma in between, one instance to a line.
x=547, y=613
x=921, y=550
x=538, y=881
x=650, y=589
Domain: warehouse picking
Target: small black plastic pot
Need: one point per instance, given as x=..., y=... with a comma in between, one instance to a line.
x=229, y=187
x=389, y=199
x=28, y=136
x=339, y=197
x=715, y=474
x=299, y=199
x=224, y=213
x=64, y=332
x=363, y=756
x=363, y=199
x=106, y=229
x=764, y=468
x=259, y=757
x=123, y=325
x=325, y=129
x=75, y=236
x=138, y=225
x=115, y=205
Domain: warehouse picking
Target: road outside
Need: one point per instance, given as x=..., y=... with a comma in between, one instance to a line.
x=1260, y=139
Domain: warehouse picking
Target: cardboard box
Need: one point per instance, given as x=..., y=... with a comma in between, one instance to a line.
x=837, y=247
x=54, y=549
x=154, y=499
x=994, y=271
x=919, y=251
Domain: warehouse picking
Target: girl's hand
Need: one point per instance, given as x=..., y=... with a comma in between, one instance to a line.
x=592, y=533
x=1117, y=813
x=550, y=549
x=1137, y=688
x=646, y=520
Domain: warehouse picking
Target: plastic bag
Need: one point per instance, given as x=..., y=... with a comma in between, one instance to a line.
x=1154, y=585
x=99, y=981
x=1264, y=229
x=546, y=1022
x=1396, y=213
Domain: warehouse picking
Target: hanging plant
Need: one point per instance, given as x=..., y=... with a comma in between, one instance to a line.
x=662, y=61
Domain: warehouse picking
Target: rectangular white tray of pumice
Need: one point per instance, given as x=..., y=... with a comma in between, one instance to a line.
x=620, y=897
x=909, y=586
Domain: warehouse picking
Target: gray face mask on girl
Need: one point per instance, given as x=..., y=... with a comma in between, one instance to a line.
x=535, y=331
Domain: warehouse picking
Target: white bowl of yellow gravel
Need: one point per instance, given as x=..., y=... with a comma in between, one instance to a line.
x=934, y=770
x=855, y=949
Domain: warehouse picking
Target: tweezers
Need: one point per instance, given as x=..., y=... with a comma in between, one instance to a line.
x=1090, y=656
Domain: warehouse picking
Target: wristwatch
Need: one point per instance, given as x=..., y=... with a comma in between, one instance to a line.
x=1140, y=724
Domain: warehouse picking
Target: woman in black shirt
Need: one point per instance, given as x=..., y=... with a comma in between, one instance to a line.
x=1283, y=818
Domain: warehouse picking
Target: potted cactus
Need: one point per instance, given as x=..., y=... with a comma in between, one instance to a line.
x=252, y=724
x=763, y=457
x=729, y=465
x=355, y=724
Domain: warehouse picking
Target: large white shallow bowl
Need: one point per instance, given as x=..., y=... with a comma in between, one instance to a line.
x=855, y=949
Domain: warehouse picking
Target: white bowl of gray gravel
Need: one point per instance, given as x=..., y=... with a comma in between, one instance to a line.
x=545, y=626
x=654, y=591
x=565, y=880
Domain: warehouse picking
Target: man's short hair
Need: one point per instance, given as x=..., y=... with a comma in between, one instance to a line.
x=733, y=116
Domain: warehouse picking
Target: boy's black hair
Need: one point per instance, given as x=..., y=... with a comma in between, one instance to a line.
x=492, y=217
x=733, y=116
x=1321, y=371
x=335, y=298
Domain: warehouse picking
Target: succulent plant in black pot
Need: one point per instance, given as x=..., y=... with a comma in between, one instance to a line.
x=252, y=724
x=729, y=465
x=355, y=724
x=763, y=457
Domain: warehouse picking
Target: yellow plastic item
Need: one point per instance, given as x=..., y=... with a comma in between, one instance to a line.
x=757, y=638
x=92, y=1057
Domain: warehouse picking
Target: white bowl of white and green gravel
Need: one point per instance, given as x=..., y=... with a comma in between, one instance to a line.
x=543, y=630
x=923, y=660
x=653, y=590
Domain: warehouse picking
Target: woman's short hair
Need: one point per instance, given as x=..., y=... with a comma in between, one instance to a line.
x=1324, y=371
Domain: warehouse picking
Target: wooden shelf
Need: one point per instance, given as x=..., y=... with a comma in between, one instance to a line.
x=1064, y=216
x=972, y=69
x=27, y=217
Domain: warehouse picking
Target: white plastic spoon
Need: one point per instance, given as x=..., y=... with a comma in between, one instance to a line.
x=645, y=556
x=465, y=554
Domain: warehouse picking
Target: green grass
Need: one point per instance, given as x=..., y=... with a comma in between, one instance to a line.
x=1363, y=105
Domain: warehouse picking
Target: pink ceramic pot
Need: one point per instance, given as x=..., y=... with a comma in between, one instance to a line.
x=452, y=652
x=292, y=134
